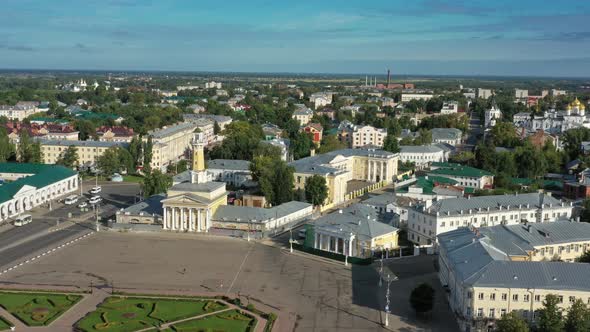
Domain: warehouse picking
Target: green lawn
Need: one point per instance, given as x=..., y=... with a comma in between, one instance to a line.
x=228, y=321
x=133, y=178
x=118, y=314
x=37, y=309
x=4, y=324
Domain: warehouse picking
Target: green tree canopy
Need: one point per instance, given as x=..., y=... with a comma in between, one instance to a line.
x=69, y=158
x=390, y=143
x=109, y=163
x=155, y=183
x=7, y=150
x=274, y=177
x=512, y=322
x=550, y=319
x=330, y=143
x=422, y=298
x=578, y=317
x=316, y=190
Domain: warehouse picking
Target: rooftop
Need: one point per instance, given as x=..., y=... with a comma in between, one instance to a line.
x=96, y=144
x=150, y=206
x=420, y=149
x=171, y=130
x=446, y=134
x=255, y=214
x=457, y=170
x=320, y=164
x=237, y=165
x=41, y=175
x=358, y=219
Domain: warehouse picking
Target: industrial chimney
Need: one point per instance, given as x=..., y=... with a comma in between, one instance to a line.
x=388, y=77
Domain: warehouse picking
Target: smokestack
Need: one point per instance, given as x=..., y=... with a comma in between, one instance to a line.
x=367, y=80
x=388, y=77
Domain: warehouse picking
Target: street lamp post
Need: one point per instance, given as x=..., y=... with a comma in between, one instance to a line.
x=291, y=239
x=381, y=270
x=387, y=302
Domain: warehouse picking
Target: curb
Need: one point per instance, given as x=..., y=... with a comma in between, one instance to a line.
x=47, y=252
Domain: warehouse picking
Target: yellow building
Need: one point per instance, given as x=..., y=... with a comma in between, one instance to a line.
x=88, y=151
x=342, y=166
x=189, y=206
x=354, y=231
x=493, y=271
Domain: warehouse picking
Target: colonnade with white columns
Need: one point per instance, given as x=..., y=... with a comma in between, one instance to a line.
x=186, y=219
x=377, y=171
x=336, y=244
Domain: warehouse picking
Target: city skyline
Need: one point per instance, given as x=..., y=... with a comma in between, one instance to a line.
x=430, y=37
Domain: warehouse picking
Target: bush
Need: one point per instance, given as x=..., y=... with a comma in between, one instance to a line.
x=422, y=298
x=250, y=307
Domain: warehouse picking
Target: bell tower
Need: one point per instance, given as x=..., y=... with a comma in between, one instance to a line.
x=198, y=173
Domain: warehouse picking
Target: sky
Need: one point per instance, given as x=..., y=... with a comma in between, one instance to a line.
x=422, y=37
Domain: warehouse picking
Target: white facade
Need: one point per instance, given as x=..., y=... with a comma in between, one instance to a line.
x=553, y=121
x=416, y=96
x=425, y=222
x=18, y=112
x=451, y=107
x=213, y=85
x=422, y=155
x=521, y=94
x=484, y=93
x=368, y=135
x=492, y=116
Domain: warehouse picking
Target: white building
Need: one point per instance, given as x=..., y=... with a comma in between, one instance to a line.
x=303, y=114
x=521, y=94
x=555, y=92
x=422, y=155
x=492, y=116
x=484, y=93
x=428, y=220
x=320, y=99
x=30, y=185
x=553, y=121
x=466, y=176
x=416, y=96
x=233, y=172
x=213, y=85
x=18, y=112
x=451, y=136
x=368, y=135
x=450, y=107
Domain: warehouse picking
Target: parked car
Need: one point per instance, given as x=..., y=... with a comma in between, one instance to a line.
x=83, y=205
x=94, y=199
x=70, y=200
x=96, y=190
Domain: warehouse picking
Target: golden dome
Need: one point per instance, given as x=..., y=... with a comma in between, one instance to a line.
x=576, y=102
x=569, y=107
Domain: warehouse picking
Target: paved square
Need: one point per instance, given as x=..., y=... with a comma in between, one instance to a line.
x=315, y=295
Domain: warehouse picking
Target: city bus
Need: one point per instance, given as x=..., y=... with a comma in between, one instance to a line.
x=23, y=220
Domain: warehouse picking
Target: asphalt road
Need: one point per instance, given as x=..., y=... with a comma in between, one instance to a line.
x=16, y=253
x=16, y=234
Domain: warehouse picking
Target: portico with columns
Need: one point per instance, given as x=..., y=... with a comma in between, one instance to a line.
x=186, y=219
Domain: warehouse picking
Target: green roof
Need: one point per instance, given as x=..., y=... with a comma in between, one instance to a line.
x=458, y=170
x=92, y=115
x=547, y=184
x=43, y=175
x=427, y=183
x=50, y=120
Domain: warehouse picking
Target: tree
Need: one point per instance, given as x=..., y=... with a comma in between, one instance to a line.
x=511, y=322
x=390, y=143
x=585, y=258
x=155, y=183
x=216, y=128
x=330, y=143
x=241, y=140
x=585, y=215
x=531, y=162
x=463, y=157
x=578, y=317
x=316, y=190
x=147, y=155
x=36, y=153
x=422, y=298
x=7, y=150
x=550, y=319
x=24, y=147
x=86, y=129
x=301, y=145
x=504, y=134
x=70, y=157
x=135, y=148
x=109, y=162
x=274, y=177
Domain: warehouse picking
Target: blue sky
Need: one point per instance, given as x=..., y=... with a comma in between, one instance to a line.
x=499, y=37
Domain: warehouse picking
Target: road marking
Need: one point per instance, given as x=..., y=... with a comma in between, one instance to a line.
x=50, y=251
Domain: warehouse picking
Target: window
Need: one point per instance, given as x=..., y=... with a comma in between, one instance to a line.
x=442, y=224
x=504, y=296
x=515, y=297
x=468, y=312
x=526, y=298
x=560, y=299
x=480, y=296
x=492, y=313
x=572, y=299
x=480, y=312
x=493, y=297
x=537, y=298
x=503, y=312
x=470, y=295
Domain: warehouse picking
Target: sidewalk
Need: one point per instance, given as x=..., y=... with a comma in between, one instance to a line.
x=88, y=304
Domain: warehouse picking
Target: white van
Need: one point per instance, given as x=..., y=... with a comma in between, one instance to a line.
x=23, y=220
x=70, y=200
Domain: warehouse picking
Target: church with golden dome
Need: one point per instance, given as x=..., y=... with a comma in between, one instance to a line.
x=554, y=121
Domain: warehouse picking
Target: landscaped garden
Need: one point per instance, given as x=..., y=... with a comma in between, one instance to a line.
x=4, y=324
x=118, y=314
x=227, y=321
x=37, y=309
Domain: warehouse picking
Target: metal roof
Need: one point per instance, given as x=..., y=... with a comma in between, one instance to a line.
x=445, y=133
x=95, y=144
x=227, y=164
x=151, y=206
x=256, y=214
x=42, y=176
x=320, y=164
x=358, y=219
x=197, y=187
x=420, y=149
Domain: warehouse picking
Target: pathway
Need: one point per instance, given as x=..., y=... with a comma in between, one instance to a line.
x=88, y=304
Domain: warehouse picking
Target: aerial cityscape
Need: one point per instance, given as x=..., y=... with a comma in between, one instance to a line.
x=313, y=166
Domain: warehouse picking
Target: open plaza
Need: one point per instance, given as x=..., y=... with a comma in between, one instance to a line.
x=306, y=293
